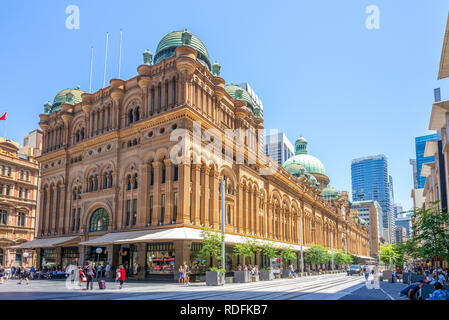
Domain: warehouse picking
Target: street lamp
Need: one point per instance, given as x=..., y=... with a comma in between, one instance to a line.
x=98, y=251
x=26, y=255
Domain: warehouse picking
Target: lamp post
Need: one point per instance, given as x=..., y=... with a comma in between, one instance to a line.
x=300, y=240
x=223, y=263
x=332, y=250
x=25, y=255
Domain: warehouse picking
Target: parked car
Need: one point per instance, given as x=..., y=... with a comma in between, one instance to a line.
x=354, y=269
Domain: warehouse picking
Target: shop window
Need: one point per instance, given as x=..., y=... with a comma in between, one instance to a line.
x=48, y=258
x=99, y=220
x=160, y=258
x=18, y=259
x=70, y=256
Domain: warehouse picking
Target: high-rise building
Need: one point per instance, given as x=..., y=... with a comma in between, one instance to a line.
x=420, y=146
x=278, y=147
x=371, y=212
x=400, y=234
x=404, y=220
x=415, y=173
x=370, y=181
x=397, y=209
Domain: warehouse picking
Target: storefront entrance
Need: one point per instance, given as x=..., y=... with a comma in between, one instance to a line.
x=98, y=259
x=48, y=258
x=129, y=259
x=70, y=256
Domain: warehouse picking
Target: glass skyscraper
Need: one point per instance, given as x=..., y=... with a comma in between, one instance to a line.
x=420, y=145
x=370, y=181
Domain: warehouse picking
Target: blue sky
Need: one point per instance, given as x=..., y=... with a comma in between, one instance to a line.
x=319, y=71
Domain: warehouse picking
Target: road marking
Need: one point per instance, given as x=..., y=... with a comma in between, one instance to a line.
x=386, y=293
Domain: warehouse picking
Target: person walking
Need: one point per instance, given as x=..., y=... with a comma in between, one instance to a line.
x=32, y=272
x=89, y=271
x=25, y=274
x=291, y=272
x=107, y=270
x=138, y=270
x=366, y=272
x=98, y=273
x=186, y=274
x=181, y=274
x=2, y=274
x=121, y=276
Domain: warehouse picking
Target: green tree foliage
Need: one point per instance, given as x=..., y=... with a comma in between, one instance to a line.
x=341, y=258
x=269, y=250
x=211, y=244
x=247, y=249
x=287, y=254
x=430, y=235
x=317, y=254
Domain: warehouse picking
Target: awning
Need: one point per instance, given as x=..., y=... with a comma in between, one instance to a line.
x=183, y=233
x=365, y=257
x=45, y=243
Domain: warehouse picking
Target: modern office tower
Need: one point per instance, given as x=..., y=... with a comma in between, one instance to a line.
x=415, y=173
x=420, y=146
x=371, y=212
x=392, y=216
x=278, y=147
x=397, y=209
x=370, y=181
x=404, y=220
x=400, y=234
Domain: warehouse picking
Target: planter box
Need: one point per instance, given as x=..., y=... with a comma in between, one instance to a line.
x=266, y=275
x=241, y=276
x=229, y=279
x=214, y=278
x=387, y=275
x=406, y=277
x=285, y=274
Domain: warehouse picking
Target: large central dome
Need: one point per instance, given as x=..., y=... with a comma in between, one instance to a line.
x=167, y=46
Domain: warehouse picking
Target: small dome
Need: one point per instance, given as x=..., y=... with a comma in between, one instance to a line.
x=309, y=162
x=296, y=169
x=330, y=193
x=66, y=96
x=167, y=46
x=239, y=93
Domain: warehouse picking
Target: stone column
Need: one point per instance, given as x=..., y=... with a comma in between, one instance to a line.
x=58, y=256
x=141, y=259
x=184, y=194
x=205, y=198
x=169, y=190
x=144, y=182
x=61, y=211
x=239, y=208
x=215, y=201
x=156, y=193
x=196, y=186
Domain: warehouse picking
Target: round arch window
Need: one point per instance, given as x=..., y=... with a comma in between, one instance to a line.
x=99, y=220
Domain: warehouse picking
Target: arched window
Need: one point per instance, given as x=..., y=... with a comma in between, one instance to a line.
x=82, y=134
x=136, y=184
x=137, y=114
x=27, y=174
x=21, y=174
x=110, y=180
x=96, y=183
x=128, y=183
x=91, y=184
x=163, y=174
x=105, y=181
x=99, y=220
x=77, y=135
x=130, y=116
x=74, y=194
x=21, y=219
x=3, y=217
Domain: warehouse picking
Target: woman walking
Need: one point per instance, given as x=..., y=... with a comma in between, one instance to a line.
x=90, y=274
x=181, y=274
x=121, y=276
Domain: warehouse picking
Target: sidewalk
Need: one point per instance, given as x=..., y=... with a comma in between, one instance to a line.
x=387, y=291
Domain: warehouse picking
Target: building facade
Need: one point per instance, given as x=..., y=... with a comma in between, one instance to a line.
x=110, y=179
x=278, y=147
x=370, y=181
x=371, y=212
x=19, y=179
x=404, y=220
x=420, y=146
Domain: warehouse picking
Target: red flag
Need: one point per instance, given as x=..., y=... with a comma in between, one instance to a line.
x=3, y=117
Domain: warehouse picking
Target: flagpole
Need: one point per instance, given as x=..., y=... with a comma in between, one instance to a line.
x=120, y=53
x=105, y=59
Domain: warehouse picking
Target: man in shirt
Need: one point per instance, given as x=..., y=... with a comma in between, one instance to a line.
x=412, y=290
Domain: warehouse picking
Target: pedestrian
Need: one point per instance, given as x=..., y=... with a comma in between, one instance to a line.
x=412, y=290
x=98, y=273
x=122, y=276
x=13, y=272
x=186, y=274
x=366, y=272
x=107, y=271
x=181, y=274
x=292, y=272
x=2, y=274
x=440, y=293
x=25, y=274
x=89, y=271
x=32, y=272
x=138, y=270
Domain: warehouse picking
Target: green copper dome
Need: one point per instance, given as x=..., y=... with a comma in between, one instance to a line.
x=67, y=96
x=296, y=169
x=239, y=93
x=167, y=46
x=330, y=193
x=309, y=162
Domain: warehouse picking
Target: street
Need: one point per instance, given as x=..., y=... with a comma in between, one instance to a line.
x=322, y=287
